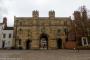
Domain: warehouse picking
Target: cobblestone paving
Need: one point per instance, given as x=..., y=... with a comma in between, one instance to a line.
x=44, y=55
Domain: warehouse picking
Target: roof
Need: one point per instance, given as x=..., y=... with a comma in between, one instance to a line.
x=8, y=28
x=42, y=18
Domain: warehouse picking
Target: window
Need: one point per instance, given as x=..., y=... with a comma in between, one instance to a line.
x=58, y=33
x=19, y=41
x=65, y=30
x=20, y=23
x=4, y=35
x=20, y=29
x=9, y=35
x=58, y=30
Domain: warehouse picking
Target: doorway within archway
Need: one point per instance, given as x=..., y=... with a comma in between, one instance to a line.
x=3, y=44
x=43, y=41
x=28, y=44
x=59, y=43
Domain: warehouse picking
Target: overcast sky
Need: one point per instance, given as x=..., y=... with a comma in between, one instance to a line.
x=10, y=8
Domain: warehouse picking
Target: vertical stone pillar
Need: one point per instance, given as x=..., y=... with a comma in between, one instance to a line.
x=23, y=44
x=35, y=44
x=63, y=41
x=52, y=44
x=63, y=38
x=62, y=44
x=13, y=42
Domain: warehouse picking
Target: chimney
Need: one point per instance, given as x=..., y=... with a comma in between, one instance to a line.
x=5, y=22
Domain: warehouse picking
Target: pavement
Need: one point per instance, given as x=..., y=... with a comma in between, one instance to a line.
x=44, y=55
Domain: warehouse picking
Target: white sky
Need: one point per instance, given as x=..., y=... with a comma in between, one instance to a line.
x=10, y=8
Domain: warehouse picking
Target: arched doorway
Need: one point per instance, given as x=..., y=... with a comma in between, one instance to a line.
x=43, y=41
x=3, y=44
x=28, y=44
x=59, y=43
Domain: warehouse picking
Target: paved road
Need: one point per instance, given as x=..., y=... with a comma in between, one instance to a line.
x=44, y=55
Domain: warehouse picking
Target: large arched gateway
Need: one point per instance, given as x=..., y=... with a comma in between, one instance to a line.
x=41, y=30
x=43, y=41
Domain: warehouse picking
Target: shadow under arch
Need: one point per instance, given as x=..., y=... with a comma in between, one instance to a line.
x=59, y=43
x=43, y=41
x=3, y=44
x=28, y=44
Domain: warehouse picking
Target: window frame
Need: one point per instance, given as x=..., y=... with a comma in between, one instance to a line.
x=9, y=36
x=4, y=35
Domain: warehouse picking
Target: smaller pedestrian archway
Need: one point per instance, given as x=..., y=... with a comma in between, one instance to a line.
x=59, y=43
x=28, y=44
x=3, y=44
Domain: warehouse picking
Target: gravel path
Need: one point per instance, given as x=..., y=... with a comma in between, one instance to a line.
x=44, y=55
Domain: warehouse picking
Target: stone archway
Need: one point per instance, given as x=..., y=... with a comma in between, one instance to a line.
x=28, y=44
x=43, y=41
x=59, y=43
x=3, y=44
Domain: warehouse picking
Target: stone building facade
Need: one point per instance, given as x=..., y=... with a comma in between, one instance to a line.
x=41, y=32
x=52, y=32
